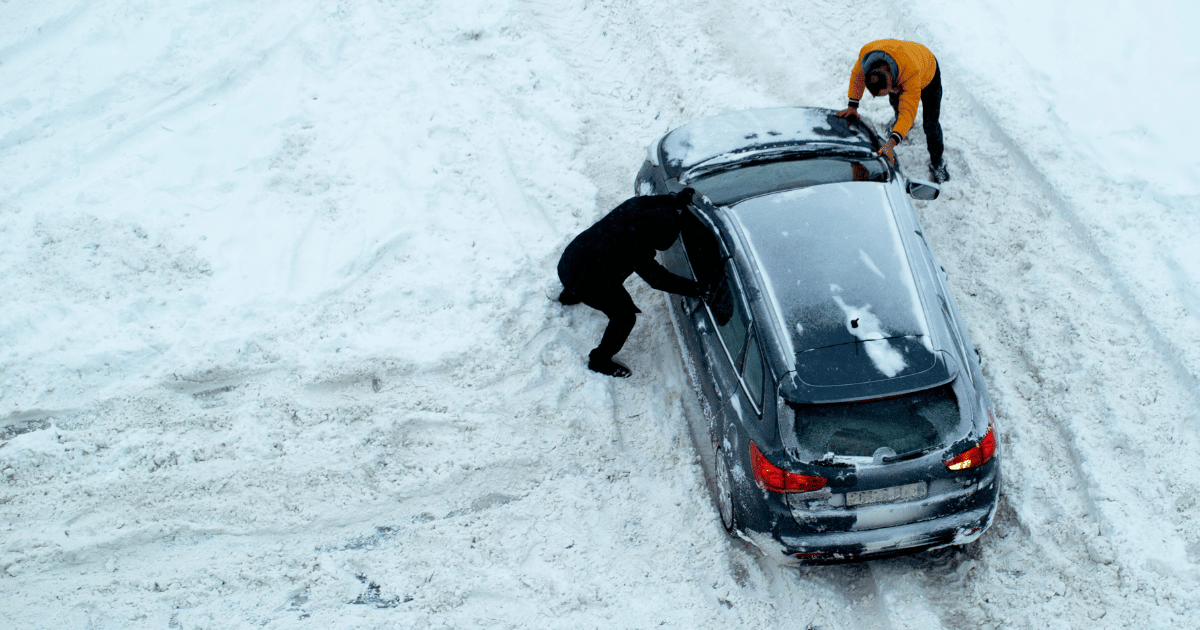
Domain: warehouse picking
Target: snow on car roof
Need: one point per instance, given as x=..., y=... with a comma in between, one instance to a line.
x=705, y=139
x=835, y=265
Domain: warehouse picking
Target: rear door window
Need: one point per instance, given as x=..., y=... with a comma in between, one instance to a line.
x=734, y=327
x=703, y=252
x=753, y=372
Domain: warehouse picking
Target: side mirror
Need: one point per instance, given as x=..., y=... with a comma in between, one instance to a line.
x=922, y=190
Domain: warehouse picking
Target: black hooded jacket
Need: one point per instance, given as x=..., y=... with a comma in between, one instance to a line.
x=624, y=242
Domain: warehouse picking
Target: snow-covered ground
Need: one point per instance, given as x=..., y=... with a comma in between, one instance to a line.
x=277, y=349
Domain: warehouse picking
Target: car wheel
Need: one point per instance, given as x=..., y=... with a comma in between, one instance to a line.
x=725, y=492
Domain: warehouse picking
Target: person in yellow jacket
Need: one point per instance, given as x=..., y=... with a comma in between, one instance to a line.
x=908, y=73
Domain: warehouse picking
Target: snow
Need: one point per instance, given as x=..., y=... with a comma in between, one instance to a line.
x=1114, y=79
x=866, y=327
x=278, y=350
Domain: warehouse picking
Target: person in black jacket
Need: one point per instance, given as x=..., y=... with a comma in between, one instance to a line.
x=595, y=264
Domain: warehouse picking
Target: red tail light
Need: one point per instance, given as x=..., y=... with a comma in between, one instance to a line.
x=773, y=478
x=979, y=454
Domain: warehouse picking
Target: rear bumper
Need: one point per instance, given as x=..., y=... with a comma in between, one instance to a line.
x=835, y=547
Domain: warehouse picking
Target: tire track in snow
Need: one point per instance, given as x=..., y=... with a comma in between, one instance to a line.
x=1164, y=349
x=141, y=100
x=52, y=30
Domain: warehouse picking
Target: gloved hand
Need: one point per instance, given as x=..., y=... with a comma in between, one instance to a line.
x=888, y=152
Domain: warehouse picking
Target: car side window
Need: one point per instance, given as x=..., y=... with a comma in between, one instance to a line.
x=707, y=264
x=753, y=373
x=734, y=328
x=703, y=252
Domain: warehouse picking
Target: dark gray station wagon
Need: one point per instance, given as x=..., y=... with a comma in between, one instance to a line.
x=847, y=411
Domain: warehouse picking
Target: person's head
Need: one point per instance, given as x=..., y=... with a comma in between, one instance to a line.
x=879, y=79
x=658, y=227
x=684, y=197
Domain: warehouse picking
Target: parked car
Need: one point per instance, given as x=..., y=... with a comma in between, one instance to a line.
x=846, y=404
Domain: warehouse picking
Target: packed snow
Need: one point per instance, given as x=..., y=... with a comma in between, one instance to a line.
x=279, y=350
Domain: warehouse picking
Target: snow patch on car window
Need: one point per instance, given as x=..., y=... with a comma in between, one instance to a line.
x=866, y=259
x=866, y=327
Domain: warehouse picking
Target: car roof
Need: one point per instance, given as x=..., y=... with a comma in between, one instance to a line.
x=835, y=270
x=756, y=129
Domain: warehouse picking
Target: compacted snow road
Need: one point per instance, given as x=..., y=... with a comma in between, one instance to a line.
x=278, y=348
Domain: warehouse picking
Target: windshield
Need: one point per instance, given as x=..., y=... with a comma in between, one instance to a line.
x=749, y=130
x=737, y=182
x=905, y=424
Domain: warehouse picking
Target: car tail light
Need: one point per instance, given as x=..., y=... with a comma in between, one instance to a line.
x=773, y=478
x=979, y=454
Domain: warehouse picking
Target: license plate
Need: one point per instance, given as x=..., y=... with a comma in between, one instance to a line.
x=906, y=492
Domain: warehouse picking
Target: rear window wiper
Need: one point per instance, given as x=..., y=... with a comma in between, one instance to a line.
x=901, y=457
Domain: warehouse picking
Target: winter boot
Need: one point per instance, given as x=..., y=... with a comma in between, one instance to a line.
x=606, y=366
x=568, y=297
x=938, y=172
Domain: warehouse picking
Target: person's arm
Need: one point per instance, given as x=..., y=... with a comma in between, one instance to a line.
x=904, y=123
x=909, y=99
x=858, y=85
x=659, y=278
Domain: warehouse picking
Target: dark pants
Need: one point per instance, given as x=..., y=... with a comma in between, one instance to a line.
x=931, y=110
x=615, y=302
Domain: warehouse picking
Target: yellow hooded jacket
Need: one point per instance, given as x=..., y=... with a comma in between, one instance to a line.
x=914, y=66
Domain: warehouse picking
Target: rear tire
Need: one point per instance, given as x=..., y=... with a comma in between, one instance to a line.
x=725, y=493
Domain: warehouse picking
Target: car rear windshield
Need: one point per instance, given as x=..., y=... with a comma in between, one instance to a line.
x=905, y=424
x=731, y=185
